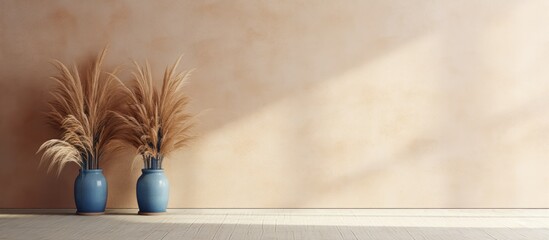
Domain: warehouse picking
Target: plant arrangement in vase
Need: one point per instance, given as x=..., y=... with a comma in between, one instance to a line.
x=82, y=109
x=156, y=124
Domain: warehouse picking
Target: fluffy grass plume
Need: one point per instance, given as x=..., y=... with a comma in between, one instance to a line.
x=156, y=122
x=82, y=109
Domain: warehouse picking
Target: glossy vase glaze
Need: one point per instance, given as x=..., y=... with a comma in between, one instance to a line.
x=152, y=192
x=90, y=192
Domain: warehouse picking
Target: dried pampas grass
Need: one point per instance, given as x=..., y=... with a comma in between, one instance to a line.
x=156, y=122
x=82, y=109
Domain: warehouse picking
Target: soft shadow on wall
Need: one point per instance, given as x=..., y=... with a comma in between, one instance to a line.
x=326, y=105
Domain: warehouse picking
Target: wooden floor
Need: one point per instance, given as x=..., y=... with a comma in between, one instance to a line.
x=238, y=224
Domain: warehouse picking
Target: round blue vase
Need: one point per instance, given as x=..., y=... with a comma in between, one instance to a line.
x=90, y=192
x=152, y=191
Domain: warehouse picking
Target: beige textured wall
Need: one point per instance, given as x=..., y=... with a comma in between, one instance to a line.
x=305, y=103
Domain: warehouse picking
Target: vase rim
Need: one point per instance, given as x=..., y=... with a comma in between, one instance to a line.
x=91, y=170
x=146, y=170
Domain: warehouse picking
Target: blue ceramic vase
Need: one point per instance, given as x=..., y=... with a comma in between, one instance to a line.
x=152, y=191
x=90, y=192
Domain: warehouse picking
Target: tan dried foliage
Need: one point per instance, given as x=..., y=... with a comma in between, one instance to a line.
x=83, y=108
x=157, y=121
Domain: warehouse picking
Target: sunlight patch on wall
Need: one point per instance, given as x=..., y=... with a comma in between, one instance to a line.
x=375, y=126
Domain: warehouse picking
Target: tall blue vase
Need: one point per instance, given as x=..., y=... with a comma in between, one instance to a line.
x=90, y=192
x=152, y=192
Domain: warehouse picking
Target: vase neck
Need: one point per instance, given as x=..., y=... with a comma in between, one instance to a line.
x=155, y=163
